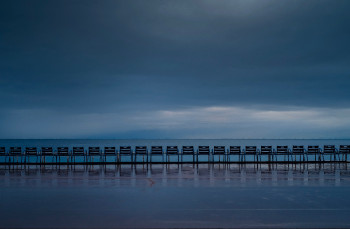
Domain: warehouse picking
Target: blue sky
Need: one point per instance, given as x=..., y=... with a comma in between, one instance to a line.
x=174, y=69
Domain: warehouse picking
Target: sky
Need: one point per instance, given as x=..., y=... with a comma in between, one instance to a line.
x=174, y=69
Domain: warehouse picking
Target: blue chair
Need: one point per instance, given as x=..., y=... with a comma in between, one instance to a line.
x=15, y=152
x=266, y=151
x=110, y=151
x=236, y=151
x=187, y=150
x=157, y=150
x=220, y=150
x=141, y=150
x=203, y=150
x=78, y=152
x=251, y=150
x=125, y=151
x=3, y=153
x=172, y=150
x=94, y=151
x=47, y=152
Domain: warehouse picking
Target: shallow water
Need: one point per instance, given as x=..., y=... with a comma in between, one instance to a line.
x=175, y=196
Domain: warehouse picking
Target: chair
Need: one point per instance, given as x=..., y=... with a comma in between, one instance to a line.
x=141, y=150
x=46, y=151
x=220, y=150
x=3, y=153
x=236, y=150
x=187, y=150
x=314, y=150
x=29, y=152
x=251, y=150
x=62, y=152
x=266, y=150
x=172, y=150
x=344, y=150
x=331, y=151
x=15, y=152
x=125, y=151
x=203, y=150
x=157, y=150
x=109, y=151
x=283, y=150
x=78, y=152
x=298, y=150
x=94, y=151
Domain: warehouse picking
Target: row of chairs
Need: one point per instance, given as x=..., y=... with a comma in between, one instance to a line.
x=91, y=152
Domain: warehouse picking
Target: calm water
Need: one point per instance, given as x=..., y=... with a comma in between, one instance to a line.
x=187, y=196
x=177, y=142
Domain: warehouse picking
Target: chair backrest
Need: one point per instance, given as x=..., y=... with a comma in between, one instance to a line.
x=78, y=150
x=2, y=150
x=329, y=149
x=266, y=149
x=250, y=150
x=235, y=150
x=15, y=150
x=344, y=149
x=313, y=149
x=172, y=150
x=282, y=149
x=203, y=150
x=157, y=149
x=188, y=150
x=219, y=149
x=46, y=150
x=94, y=149
x=109, y=150
x=125, y=149
x=141, y=149
x=62, y=150
x=298, y=149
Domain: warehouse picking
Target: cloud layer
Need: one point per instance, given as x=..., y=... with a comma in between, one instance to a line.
x=154, y=69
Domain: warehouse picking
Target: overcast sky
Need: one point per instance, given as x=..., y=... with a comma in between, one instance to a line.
x=175, y=69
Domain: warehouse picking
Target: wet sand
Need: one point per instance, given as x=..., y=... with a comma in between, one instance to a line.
x=172, y=196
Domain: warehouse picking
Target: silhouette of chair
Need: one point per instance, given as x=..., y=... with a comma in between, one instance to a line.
x=62, y=152
x=3, y=153
x=236, y=150
x=203, y=150
x=15, y=152
x=266, y=151
x=220, y=150
x=283, y=151
x=110, y=151
x=172, y=150
x=125, y=151
x=344, y=150
x=47, y=152
x=298, y=150
x=331, y=151
x=314, y=150
x=251, y=150
x=94, y=151
x=141, y=150
x=187, y=150
x=78, y=152
x=156, y=150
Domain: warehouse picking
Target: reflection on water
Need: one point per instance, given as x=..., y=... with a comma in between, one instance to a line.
x=176, y=175
x=175, y=196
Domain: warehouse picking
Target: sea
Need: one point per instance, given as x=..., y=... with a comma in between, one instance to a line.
x=295, y=195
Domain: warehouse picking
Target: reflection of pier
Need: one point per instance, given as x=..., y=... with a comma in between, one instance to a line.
x=181, y=174
x=95, y=155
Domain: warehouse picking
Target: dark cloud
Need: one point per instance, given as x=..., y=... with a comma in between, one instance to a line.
x=129, y=57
